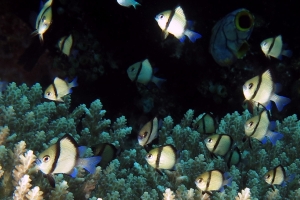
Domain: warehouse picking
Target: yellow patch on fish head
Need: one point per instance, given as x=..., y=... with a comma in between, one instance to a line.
x=162, y=19
x=151, y=157
x=250, y=125
x=265, y=45
x=250, y=87
x=46, y=159
x=50, y=93
x=201, y=181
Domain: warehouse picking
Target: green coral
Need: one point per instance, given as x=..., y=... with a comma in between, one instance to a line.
x=29, y=123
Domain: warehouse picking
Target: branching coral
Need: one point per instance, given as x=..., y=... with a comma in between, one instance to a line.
x=27, y=130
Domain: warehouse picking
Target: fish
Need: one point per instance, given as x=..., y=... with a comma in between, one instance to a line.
x=59, y=88
x=163, y=157
x=149, y=132
x=207, y=124
x=262, y=89
x=43, y=20
x=63, y=157
x=107, y=152
x=128, y=3
x=213, y=180
x=233, y=157
x=278, y=176
x=274, y=47
x=219, y=144
x=175, y=23
x=65, y=44
x=142, y=72
x=259, y=127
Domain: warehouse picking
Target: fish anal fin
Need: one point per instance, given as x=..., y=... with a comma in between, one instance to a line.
x=51, y=180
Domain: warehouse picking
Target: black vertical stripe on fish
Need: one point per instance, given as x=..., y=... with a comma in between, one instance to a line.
x=208, y=180
x=170, y=19
x=272, y=44
x=217, y=143
x=151, y=129
x=158, y=157
x=254, y=130
x=55, y=90
x=138, y=72
x=274, y=175
x=257, y=88
x=57, y=154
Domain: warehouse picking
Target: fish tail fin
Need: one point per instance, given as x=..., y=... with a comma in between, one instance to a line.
x=263, y=140
x=182, y=39
x=158, y=81
x=89, y=163
x=193, y=36
x=82, y=150
x=228, y=179
x=280, y=101
x=272, y=125
x=290, y=178
x=73, y=83
x=287, y=53
x=136, y=4
x=274, y=136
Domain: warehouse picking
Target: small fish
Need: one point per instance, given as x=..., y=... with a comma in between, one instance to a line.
x=59, y=88
x=142, y=72
x=43, y=20
x=163, y=157
x=63, y=157
x=207, y=124
x=149, y=132
x=174, y=22
x=219, y=144
x=128, y=3
x=65, y=44
x=277, y=176
x=213, y=180
x=261, y=89
x=275, y=48
x=106, y=151
x=259, y=127
x=234, y=157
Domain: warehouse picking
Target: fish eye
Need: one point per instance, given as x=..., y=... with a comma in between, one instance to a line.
x=250, y=123
x=250, y=86
x=46, y=158
x=209, y=140
x=145, y=134
x=149, y=156
x=48, y=93
x=132, y=69
x=267, y=176
x=200, y=180
x=265, y=43
x=161, y=16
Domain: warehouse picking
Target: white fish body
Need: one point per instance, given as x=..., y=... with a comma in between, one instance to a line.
x=142, y=72
x=59, y=88
x=43, y=20
x=65, y=44
x=274, y=47
x=174, y=22
x=261, y=89
x=128, y=3
x=63, y=157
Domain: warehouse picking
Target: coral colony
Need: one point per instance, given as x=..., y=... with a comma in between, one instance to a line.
x=30, y=125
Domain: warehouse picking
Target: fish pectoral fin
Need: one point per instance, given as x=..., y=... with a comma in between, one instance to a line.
x=51, y=180
x=165, y=34
x=159, y=171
